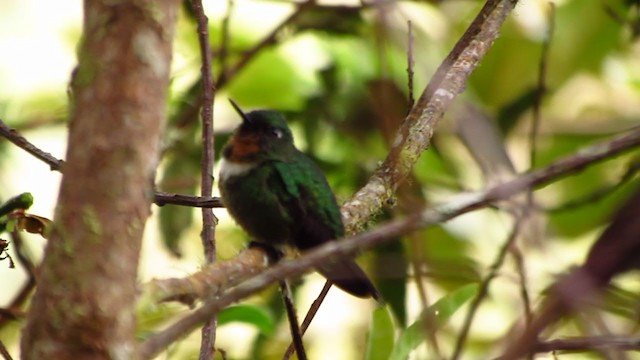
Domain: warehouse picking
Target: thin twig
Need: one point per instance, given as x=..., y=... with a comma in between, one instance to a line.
x=410, y=64
x=483, y=290
x=530, y=211
x=582, y=344
x=541, y=88
x=224, y=40
x=313, y=310
x=601, y=193
x=4, y=352
x=335, y=249
x=522, y=280
x=428, y=320
x=529, y=208
x=162, y=198
x=24, y=262
x=294, y=328
x=208, y=219
x=13, y=136
x=27, y=288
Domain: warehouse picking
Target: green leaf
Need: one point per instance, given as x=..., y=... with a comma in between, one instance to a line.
x=339, y=20
x=270, y=75
x=511, y=113
x=22, y=201
x=381, y=335
x=390, y=274
x=449, y=258
x=441, y=311
x=249, y=314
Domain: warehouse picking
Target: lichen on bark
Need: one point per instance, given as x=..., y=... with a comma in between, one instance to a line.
x=85, y=301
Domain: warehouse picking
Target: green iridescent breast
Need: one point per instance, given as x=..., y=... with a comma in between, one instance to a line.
x=284, y=202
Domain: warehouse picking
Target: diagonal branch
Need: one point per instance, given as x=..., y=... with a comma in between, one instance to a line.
x=588, y=344
x=415, y=134
x=462, y=204
x=19, y=140
x=211, y=281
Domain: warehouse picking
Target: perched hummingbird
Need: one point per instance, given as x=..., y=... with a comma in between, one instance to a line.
x=280, y=197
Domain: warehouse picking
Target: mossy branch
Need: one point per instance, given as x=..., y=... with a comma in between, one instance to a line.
x=414, y=136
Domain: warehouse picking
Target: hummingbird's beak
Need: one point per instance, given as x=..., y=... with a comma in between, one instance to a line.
x=244, y=117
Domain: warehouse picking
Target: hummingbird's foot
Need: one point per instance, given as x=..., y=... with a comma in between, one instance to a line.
x=273, y=253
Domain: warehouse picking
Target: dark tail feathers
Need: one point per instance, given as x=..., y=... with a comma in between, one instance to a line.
x=348, y=276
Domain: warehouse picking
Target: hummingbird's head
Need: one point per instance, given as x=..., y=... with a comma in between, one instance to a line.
x=263, y=135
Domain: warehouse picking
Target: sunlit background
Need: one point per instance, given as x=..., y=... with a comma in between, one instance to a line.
x=324, y=78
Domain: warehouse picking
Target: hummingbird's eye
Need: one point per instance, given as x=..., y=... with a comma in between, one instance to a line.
x=277, y=133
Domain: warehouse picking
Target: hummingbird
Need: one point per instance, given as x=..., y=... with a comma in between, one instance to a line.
x=280, y=197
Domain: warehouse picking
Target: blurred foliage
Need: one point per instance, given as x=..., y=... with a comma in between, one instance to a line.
x=339, y=75
x=250, y=314
x=432, y=318
x=381, y=335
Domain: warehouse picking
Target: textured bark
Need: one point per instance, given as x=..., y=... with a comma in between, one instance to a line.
x=414, y=136
x=83, y=308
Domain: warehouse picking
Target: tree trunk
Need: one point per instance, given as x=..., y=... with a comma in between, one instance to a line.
x=84, y=305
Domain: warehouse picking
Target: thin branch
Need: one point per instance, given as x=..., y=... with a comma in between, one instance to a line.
x=415, y=134
x=529, y=208
x=483, y=290
x=410, y=64
x=208, y=155
x=4, y=352
x=162, y=198
x=583, y=344
x=522, y=277
x=313, y=310
x=460, y=205
x=541, y=87
x=27, y=264
x=13, y=136
x=223, y=52
x=294, y=328
x=430, y=326
x=208, y=151
x=25, y=292
x=601, y=193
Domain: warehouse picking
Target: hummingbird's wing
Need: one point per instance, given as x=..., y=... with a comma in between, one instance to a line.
x=317, y=219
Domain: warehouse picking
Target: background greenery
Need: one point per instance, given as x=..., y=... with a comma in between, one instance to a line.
x=339, y=74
